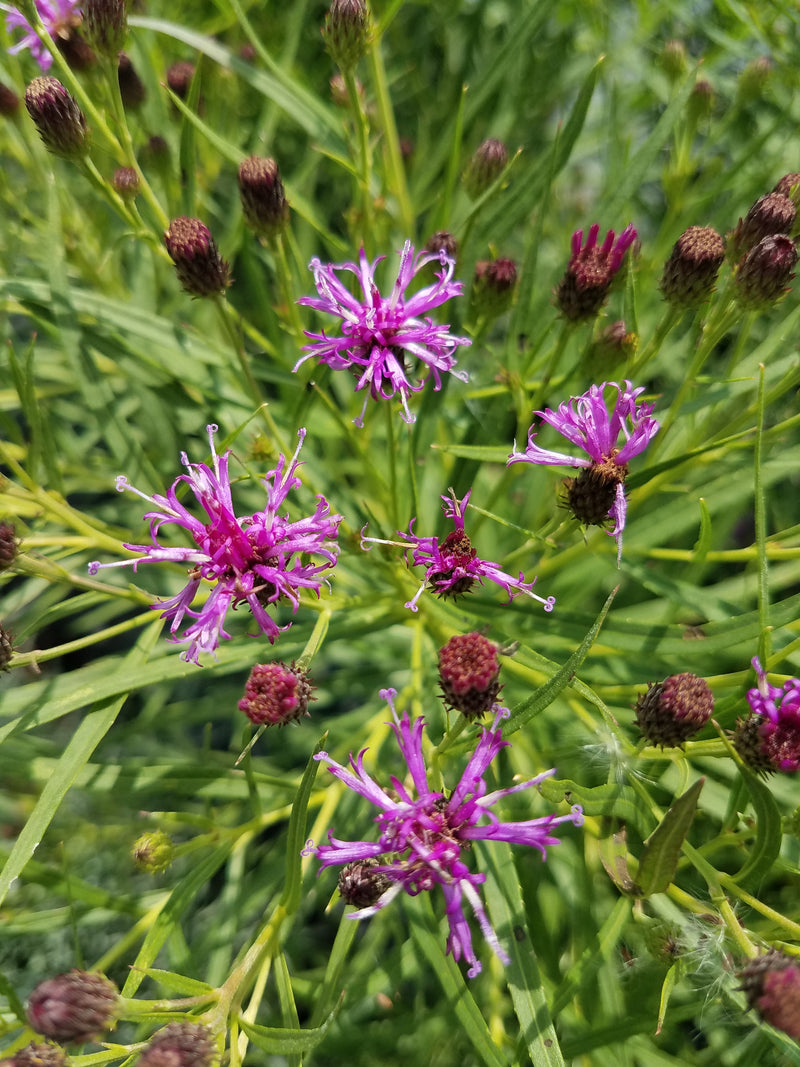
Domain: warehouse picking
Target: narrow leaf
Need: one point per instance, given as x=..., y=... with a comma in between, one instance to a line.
x=278, y=1040
x=661, y=853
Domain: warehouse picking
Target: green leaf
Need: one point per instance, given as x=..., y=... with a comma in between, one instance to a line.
x=668, y=985
x=296, y=836
x=278, y=1040
x=661, y=853
x=178, y=983
x=767, y=844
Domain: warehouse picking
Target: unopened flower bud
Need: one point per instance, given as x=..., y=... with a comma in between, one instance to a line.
x=346, y=31
x=485, y=167
x=131, y=86
x=73, y=1008
x=39, y=1055
x=789, y=185
x=613, y=345
x=771, y=214
x=701, y=101
x=76, y=51
x=57, y=117
x=361, y=885
x=6, y=648
x=264, y=204
x=753, y=79
x=8, y=545
x=493, y=286
x=126, y=182
x=469, y=670
x=771, y=984
x=200, y=268
x=672, y=710
x=9, y=101
x=673, y=60
x=106, y=24
x=179, y=78
x=586, y=284
x=179, y=1045
x=763, y=276
x=442, y=241
x=690, y=273
x=276, y=694
x=153, y=852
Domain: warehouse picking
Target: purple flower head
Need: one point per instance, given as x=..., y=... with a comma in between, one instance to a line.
x=453, y=567
x=779, y=733
x=59, y=17
x=381, y=337
x=261, y=558
x=422, y=833
x=583, y=290
x=598, y=493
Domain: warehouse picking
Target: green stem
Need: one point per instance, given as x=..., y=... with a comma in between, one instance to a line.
x=395, y=172
x=287, y=289
x=539, y=396
x=37, y=656
x=365, y=238
x=653, y=346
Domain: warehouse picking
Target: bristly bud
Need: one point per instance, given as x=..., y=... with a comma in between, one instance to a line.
x=673, y=60
x=179, y=78
x=39, y=1055
x=106, y=24
x=179, y=1045
x=442, y=241
x=485, y=167
x=753, y=79
x=131, y=86
x=346, y=32
x=771, y=214
x=8, y=545
x=613, y=345
x=126, y=182
x=73, y=1008
x=9, y=101
x=586, y=284
x=57, y=117
x=276, y=694
x=700, y=104
x=6, y=648
x=200, y=268
x=789, y=185
x=763, y=276
x=264, y=204
x=361, y=885
x=690, y=273
x=469, y=669
x=771, y=984
x=671, y=711
x=153, y=852
x=493, y=286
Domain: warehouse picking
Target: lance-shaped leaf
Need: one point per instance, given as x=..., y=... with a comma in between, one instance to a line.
x=661, y=853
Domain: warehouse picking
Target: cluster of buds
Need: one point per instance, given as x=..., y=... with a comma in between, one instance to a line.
x=200, y=268
x=769, y=216
x=469, y=670
x=264, y=204
x=671, y=711
x=275, y=694
x=762, y=248
x=57, y=117
x=73, y=1008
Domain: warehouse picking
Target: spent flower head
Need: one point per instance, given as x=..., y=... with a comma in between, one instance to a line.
x=587, y=281
x=769, y=738
x=382, y=337
x=469, y=670
x=452, y=566
x=59, y=18
x=264, y=559
x=424, y=833
x=276, y=694
x=597, y=495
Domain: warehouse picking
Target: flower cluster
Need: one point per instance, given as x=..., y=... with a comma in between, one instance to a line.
x=59, y=18
x=423, y=832
x=453, y=567
x=255, y=558
x=598, y=493
x=380, y=334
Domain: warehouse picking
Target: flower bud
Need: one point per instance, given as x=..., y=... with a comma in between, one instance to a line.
x=442, y=241
x=75, y=50
x=179, y=78
x=763, y=276
x=468, y=673
x=613, y=345
x=672, y=710
x=153, y=852
x=106, y=25
x=360, y=885
x=73, y=1008
x=700, y=104
x=57, y=117
x=771, y=984
x=200, y=268
x=131, y=86
x=493, y=286
x=690, y=273
x=771, y=214
x=485, y=167
x=39, y=1055
x=276, y=694
x=264, y=204
x=673, y=60
x=753, y=79
x=6, y=648
x=8, y=545
x=789, y=185
x=9, y=101
x=179, y=1045
x=346, y=31
x=126, y=182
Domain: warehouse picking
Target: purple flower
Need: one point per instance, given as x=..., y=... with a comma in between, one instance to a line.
x=453, y=567
x=598, y=493
x=586, y=283
x=779, y=733
x=58, y=18
x=422, y=833
x=259, y=558
x=381, y=337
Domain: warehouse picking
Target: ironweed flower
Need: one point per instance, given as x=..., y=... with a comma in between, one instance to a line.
x=583, y=290
x=769, y=739
x=422, y=836
x=59, y=18
x=260, y=558
x=381, y=336
x=598, y=493
x=453, y=567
